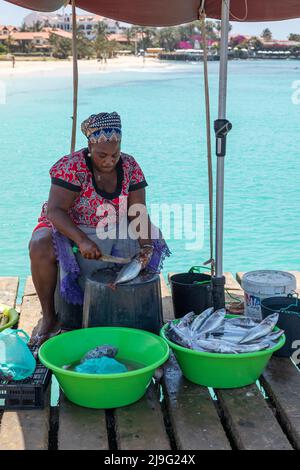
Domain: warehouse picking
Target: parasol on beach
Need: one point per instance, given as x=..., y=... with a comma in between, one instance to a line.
x=169, y=13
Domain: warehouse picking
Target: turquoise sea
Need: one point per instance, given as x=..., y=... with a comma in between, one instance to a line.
x=164, y=128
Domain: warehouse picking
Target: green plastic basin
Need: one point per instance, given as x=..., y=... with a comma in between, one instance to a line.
x=13, y=317
x=221, y=370
x=104, y=390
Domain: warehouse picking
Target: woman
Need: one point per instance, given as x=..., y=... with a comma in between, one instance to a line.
x=91, y=192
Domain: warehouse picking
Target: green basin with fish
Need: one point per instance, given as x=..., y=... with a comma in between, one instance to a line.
x=221, y=370
x=138, y=347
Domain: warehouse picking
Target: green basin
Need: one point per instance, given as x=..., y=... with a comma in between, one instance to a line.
x=104, y=390
x=221, y=370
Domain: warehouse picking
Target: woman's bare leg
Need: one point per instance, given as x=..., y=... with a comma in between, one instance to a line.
x=44, y=276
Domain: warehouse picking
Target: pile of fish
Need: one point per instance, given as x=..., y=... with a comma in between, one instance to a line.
x=212, y=332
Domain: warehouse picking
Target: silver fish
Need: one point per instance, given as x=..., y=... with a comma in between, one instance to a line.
x=242, y=322
x=177, y=336
x=261, y=330
x=201, y=319
x=275, y=335
x=128, y=272
x=247, y=348
x=186, y=321
x=213, y=323
x=221, y=347
x=272, y=337
x=100, y=351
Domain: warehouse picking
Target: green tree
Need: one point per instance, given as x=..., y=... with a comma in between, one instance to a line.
x=294, y=37
x=146, y=36
x=256, y=43
x=100, y=41
x=61, y=47
x=85, y=47
x=9, y=43
x=111, y=48
x=24, y=28
x=3, y=49
x=266, y=35
x=168, y=38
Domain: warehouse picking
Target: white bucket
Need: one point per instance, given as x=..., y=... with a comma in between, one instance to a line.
x=259, y=285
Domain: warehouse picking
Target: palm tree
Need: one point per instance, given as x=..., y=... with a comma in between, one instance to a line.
x=85, y=47
x=61, y=47
x=147, y=36
x=24, y=28
x=101, y=40
x=168, y=38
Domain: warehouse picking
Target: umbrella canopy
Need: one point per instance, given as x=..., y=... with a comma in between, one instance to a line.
x=166, y=13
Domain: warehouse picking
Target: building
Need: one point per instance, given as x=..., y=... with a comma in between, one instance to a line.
x=280, y=44
x=86, y=23
x=6, y=30
x=33, y=42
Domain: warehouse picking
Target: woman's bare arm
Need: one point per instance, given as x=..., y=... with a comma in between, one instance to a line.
x=59, y=202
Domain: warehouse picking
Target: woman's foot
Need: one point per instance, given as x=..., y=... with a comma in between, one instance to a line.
x=46, y=331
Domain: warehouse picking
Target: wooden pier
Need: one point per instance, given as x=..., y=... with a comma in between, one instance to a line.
x=173, y=415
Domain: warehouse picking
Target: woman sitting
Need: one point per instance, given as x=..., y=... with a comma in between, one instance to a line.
x=93, y=191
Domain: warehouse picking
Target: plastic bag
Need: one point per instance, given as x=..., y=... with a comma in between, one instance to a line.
x=16, y=359
x=101, y=365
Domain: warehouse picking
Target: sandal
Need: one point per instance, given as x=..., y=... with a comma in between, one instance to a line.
x=37, y=340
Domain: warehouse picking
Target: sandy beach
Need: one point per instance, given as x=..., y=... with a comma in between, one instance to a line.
x=23, y=67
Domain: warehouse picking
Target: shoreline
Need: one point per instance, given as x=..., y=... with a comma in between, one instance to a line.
x=26, y=67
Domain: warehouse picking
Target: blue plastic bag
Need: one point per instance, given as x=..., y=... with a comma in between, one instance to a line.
x=101, y=365
x=16, y=359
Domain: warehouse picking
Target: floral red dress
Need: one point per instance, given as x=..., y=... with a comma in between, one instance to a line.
x=91, y=207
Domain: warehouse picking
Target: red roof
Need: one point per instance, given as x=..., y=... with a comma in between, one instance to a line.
x=164, y=12
x=117, y=37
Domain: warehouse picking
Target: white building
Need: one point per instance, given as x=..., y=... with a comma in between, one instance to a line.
x=86, y=23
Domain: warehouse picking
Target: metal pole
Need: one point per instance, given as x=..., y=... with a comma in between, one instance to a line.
x=222, y=127
x=75, y=76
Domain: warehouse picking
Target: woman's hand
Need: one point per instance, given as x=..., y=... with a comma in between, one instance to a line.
x=89, y=249
x=145, y=255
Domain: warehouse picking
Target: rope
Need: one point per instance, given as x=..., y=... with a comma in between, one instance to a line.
x=202, y=17
x=236, y=17
x=75, y=76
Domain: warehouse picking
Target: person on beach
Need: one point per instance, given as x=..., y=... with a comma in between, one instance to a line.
x=92, y=192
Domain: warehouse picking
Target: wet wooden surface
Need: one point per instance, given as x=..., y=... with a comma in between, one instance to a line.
x=173, y=414
x=26, y=430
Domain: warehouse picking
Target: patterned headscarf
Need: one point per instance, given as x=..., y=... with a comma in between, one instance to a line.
x=103, y=127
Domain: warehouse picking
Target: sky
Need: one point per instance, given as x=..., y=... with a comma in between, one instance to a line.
x=12, y=14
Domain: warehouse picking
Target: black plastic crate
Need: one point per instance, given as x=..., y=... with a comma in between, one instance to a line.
x=25, y=394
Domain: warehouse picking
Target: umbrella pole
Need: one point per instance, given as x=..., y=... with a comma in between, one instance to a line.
x=222, y=127
x=75, y=76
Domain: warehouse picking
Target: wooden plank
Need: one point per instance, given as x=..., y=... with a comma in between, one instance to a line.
x=239, y=276
x=26, y=430
x=194, y=419
x=249, y=420
x=192, y=414
x=81, y=428
x=231, y=284
x=281, y=381
x=140, y=426
x=168, y=313
x=9, y=290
